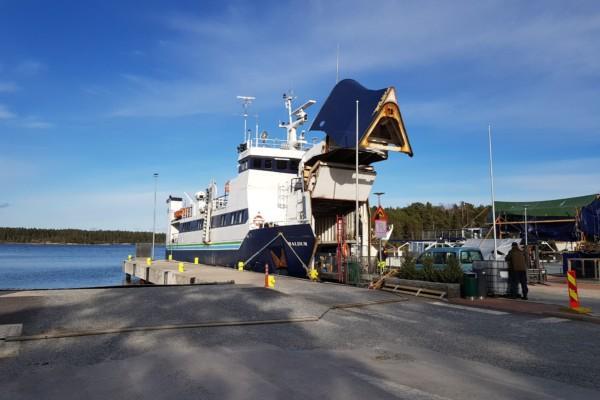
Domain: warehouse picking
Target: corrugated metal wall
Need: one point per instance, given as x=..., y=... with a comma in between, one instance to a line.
x=325, y=228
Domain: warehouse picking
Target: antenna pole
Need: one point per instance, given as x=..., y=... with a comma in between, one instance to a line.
x=246, y=101
x=256, y=128
x=493, y=195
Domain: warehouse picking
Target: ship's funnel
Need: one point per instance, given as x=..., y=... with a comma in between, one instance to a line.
x=381, y=127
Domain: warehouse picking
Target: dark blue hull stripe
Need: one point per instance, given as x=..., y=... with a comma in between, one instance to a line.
x=277, y=253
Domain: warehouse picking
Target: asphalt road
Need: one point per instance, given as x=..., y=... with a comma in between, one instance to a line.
x=412, y=349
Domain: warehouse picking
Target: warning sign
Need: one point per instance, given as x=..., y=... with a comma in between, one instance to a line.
x=380, y=220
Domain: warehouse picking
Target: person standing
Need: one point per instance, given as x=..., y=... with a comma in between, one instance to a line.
x=517, y=267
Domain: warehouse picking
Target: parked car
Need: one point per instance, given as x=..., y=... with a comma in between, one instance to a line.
x=441, y=255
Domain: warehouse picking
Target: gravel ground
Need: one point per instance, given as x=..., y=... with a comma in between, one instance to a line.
x=411, y=349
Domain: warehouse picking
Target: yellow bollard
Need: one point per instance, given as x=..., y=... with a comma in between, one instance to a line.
x=129, y=257
x=181, y=267
x=170, y=257
x=313, y=274
x=271, y=281
x=240, y=265
x=196, y=260
x=148, y=261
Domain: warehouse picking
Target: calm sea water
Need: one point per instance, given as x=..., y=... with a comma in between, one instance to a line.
x=26, y=266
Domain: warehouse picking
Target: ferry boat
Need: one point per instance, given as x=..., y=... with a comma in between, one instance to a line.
x=293, y=201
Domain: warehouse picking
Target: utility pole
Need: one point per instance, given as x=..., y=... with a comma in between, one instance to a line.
x=526, y=227
x=356, y=184
x=154, y=214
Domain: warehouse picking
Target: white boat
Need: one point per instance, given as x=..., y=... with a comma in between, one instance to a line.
x=293, y=200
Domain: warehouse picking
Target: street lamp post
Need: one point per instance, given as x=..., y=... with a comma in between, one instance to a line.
x=492, y=190
x=154, y=214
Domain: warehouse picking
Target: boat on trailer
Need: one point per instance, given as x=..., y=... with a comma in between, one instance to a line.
x=291, y=200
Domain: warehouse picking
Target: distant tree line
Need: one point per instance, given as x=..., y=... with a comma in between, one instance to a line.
x=35, y=235
x=411, y=221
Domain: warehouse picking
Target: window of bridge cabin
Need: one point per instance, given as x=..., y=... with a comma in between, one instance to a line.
x=256, y=163
x=282, y=165
x=268, y=164
x=294, y=165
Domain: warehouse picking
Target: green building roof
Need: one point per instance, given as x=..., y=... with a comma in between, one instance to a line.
x=560, y=208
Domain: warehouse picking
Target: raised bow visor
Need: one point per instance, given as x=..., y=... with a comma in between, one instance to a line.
x=380, y=124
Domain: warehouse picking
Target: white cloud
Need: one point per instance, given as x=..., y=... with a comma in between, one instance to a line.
x=214, y=58
x=30, y=67
x=5, y=113
x=32, y=122
x=8, y=87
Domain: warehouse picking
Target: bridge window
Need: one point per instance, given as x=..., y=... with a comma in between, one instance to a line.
x=282, y=165
x=229, y=219
x=294, y=165
x=190, y=226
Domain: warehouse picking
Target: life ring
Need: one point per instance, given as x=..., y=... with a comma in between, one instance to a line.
x=258, y=221
x=345, y=250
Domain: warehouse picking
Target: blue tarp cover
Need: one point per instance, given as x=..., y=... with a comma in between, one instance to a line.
x=337, y=117
x=589, y=220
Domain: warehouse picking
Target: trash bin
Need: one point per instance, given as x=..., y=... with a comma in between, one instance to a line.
x=353, y=273
x=482, y=286
x=470, y=285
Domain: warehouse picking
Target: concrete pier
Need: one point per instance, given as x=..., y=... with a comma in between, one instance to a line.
x=164, y=272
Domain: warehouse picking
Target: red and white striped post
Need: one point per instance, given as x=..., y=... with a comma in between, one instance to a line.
x=573, y=297
x=574, y=304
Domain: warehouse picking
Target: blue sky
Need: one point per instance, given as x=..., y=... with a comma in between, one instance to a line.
x=96, y=96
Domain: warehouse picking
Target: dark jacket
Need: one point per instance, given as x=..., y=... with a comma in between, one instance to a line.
x=516, y=260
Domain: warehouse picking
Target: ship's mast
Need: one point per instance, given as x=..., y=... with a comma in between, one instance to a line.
x=292, y=125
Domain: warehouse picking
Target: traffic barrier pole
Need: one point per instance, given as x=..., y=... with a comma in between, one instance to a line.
x=181, y=267
x=170, y=257
x=196, y=261
x=240, y=265
x=148, y=261
x=574, y=304
x=266, y=275
x=572, y=284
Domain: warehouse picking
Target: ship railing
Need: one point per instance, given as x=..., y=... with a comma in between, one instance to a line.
x=221, y=202
x=277, y=144
x=271, y=224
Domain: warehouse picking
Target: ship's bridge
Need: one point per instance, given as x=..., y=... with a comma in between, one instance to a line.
x=271, y=155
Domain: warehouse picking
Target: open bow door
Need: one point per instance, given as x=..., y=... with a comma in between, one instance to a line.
x=387, y=131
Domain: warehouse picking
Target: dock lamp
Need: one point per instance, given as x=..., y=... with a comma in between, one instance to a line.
x=154, y=214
